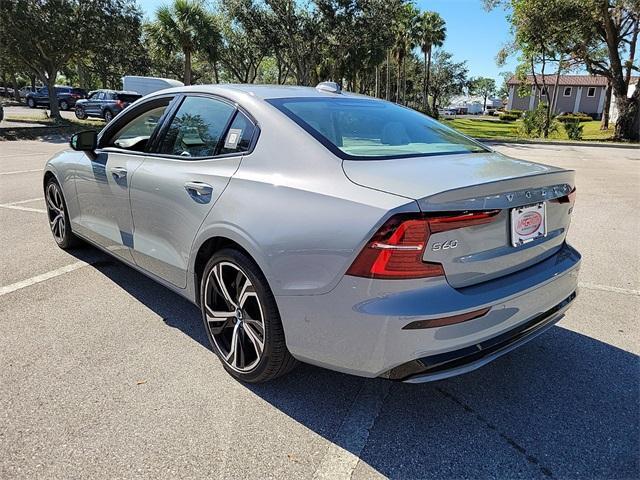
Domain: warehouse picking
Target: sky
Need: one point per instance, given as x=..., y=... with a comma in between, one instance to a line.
x=473, y=35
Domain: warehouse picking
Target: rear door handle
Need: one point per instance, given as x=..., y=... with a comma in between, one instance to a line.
x=119, y=172
x=198, y=189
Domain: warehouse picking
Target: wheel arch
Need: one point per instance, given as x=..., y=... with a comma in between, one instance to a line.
x=210, y=244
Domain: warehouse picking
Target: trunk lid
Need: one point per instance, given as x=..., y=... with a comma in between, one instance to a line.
x=477, y=182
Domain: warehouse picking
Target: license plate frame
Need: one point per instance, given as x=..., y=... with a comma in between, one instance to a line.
x=528, y=223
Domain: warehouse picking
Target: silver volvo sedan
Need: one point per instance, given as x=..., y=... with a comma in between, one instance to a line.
x=314, y=225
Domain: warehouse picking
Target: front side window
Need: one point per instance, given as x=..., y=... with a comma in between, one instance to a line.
x=371, y=129
x=135, y=134
x=197, y=127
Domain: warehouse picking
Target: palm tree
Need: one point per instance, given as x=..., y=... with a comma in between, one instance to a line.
x=431, y=32
x=404, y=30
x=184, y=26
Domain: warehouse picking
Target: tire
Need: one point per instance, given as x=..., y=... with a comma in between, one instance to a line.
x=80, y=113
x=64, y=105
x=58, y=216
x=249, y=301
x=31, y=103
x=108, y=116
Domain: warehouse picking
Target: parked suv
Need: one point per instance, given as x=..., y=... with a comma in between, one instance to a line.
x=67, y=97
x=105, y=104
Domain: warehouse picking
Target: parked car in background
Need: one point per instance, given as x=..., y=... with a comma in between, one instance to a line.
x=1, y=113
x=6, y=92
x=447, y=112
x=147, y=85
x=67, y=97
x=24, y=91
x=105, y=104
x=331, y=228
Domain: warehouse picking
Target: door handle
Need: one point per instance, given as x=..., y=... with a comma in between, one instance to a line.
x=198, y=189
x=119, y=172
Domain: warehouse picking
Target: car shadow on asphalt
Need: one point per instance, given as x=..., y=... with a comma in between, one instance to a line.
x=564, y=405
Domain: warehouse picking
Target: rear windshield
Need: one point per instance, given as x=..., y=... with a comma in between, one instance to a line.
x=127, y=97
x=372, y=129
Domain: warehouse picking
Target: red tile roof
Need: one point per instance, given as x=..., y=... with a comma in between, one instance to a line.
x=573, y=80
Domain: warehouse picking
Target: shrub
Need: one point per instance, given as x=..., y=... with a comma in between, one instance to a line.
x=515, y=112
x=533, y=122
x=574, y=117
x=573, y=129
x=508, y=117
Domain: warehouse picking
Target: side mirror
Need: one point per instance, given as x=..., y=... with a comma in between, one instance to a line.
x=85, y=141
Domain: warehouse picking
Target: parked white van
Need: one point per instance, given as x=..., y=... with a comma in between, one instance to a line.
x=146, y=85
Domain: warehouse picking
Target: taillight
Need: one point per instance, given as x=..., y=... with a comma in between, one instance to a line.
x=119, y=103
x=569, y=198
x=397, y=248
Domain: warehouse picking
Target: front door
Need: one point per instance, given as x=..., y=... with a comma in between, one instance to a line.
x=174, y=190
x=103, y=183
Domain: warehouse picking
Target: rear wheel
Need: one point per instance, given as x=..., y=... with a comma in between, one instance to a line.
x=58, y=216
x=64, y=105
x=242, y=320
x=108, y=116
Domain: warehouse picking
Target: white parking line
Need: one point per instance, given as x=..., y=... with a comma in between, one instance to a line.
x=21, y=171
x=26, y=201
x=342, y=456
x=607, y=288
x=24, y=209
x=42, y=277
x=16, y=205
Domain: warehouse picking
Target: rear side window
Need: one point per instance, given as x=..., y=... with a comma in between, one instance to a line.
x=239, y=135
x=371, y=129
x=127, y=97
x=197, y=127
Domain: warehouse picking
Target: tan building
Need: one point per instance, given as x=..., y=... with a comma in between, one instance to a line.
x=577, y=93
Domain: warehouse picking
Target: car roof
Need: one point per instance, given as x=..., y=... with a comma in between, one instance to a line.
x=265, y=92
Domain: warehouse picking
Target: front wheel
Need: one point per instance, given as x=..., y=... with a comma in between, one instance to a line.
x=58, y=216
x=242, y=320
x=31, y=103
x=80, y=113
x=108, y=116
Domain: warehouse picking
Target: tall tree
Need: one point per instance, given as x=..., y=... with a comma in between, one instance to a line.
x=183, y=26
x=483, y=86
x=431, y=33
x=44, y=27
x=404, y=27
x=448, y=78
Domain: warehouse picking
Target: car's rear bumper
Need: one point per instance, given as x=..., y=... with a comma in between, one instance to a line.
x=357, y=328
x=449, y=364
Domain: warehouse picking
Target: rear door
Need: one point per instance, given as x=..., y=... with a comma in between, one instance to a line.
x=196, y=154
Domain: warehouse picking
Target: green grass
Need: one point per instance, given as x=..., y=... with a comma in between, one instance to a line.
x=50, y=122
x=496, y=129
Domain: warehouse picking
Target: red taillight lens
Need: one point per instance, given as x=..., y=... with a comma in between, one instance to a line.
x=397, y=248
x=119, y=103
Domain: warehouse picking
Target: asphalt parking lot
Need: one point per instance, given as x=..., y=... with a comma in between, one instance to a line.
x=106, y=374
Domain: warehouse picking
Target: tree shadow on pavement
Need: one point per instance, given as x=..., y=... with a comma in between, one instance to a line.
x=565, y=405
